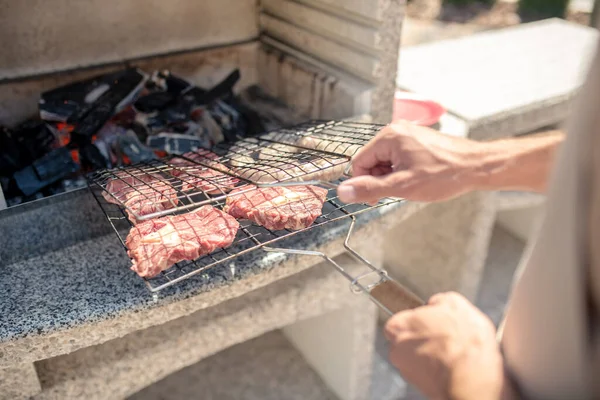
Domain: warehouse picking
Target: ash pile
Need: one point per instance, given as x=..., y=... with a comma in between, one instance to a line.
x=122, y=118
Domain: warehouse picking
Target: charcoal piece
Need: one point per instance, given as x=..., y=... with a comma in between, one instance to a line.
x=43, y=172
x=177, y=113
x=228, y=120
x=156, y=101
x=140, y=131
x=91, y=158
x=130, y=146
x=175, y=84
x=34, y=138
x=212, y=128
x=223, y=88
x=10, y=153
x=23, y=145
x=190, y=98
x=122, y=90
x=252, y=121
x=174, y=143
x=75, y=100
x=106, y=141
x=61, y=103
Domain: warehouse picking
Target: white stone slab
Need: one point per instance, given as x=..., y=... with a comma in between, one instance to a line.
x=495, y=72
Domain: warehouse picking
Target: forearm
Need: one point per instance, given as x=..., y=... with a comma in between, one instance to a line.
x=516, y=163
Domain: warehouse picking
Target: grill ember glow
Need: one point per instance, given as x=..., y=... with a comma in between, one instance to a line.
x=275, y=174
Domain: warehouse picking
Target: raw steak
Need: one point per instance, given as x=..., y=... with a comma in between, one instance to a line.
x=323, y=141
x=279, y=162
x=140, y=193
x=268, y=171
x=294, y=207
x=199, y=178
x=157, y=244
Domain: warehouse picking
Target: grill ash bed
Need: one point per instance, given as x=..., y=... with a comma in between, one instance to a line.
x=283, y=158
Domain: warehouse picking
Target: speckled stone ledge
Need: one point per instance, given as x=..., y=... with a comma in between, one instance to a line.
x=120, y=367
x=49, y=224
x=85, y=294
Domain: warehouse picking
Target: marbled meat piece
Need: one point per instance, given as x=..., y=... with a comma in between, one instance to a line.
x=157, y=244
x=329, y=142
x=267, y=171
x=276, y=208
x=140, y=193
x=337, y=145
x=197, y=177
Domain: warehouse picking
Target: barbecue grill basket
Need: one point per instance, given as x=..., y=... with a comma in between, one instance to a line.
x=315, y=153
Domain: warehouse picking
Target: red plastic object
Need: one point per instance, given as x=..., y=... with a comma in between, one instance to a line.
x=417, y=109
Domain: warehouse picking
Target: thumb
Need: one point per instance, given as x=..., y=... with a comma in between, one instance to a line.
x=364, y=189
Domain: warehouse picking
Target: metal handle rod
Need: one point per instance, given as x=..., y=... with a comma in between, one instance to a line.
x=326, y=184
x=387, y=294
x=338, y=267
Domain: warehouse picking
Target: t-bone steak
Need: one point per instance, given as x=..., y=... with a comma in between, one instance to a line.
x=157, y=244
x=200, y=178
x=140, y=193
x=276, y=208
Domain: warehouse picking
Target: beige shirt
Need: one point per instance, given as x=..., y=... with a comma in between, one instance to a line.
x=551, y=334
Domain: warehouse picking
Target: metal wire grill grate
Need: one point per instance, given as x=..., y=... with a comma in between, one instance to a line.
x=133, y=197
x=250, y=236
x=336, y=137
x=259, y=160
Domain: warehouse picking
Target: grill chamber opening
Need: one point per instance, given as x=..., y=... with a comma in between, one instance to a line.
x=323, y=59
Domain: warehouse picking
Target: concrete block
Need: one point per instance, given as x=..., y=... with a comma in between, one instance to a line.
x=337, y=27
x=311, y=88
x=506, y=81
x=359, y=63
x=351, y=8
x=443, y=247
x=522, y=222
x=41, y=37
x=19, y=382
x=265, y=368
x=339, y=347
x=357, y=38
x=121, y=367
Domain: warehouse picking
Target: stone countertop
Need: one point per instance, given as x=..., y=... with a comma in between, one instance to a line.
x=89, y=284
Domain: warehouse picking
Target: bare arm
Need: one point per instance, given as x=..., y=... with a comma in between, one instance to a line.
x=516, y=163
x=421, y=164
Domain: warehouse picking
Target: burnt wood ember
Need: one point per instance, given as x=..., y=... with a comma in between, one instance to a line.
x=23, y=145
x=45, y=171
x=277, y=208
x=123, y=118
x=88, y=103
x=157, y=244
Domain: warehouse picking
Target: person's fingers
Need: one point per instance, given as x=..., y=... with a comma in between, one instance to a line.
x=377, y=151
x=446, y=298
x=370, y=189
x=364, y=189
x=381, y=170
x=397, y=324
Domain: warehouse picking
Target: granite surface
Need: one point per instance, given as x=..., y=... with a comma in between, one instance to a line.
x=90, y=281
x=49, y=224
x=122, y=366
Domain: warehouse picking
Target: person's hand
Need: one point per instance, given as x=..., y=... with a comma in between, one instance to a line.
x=447, y=349
x=411, y=162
